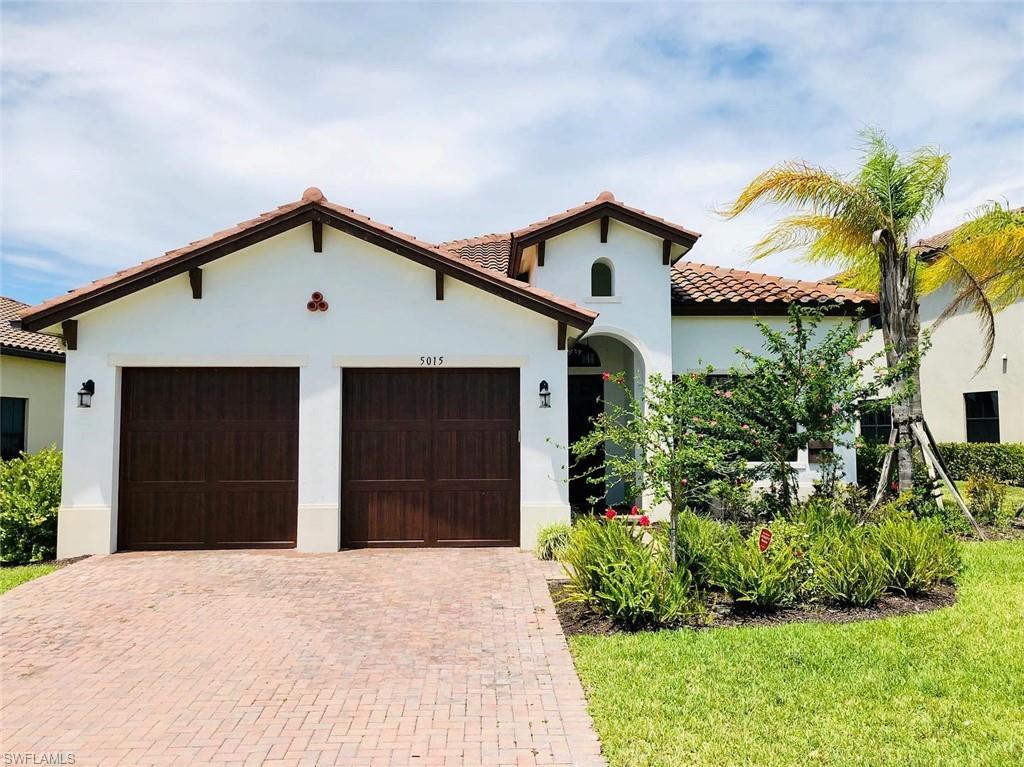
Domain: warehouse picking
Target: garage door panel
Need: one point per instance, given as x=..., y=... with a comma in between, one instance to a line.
x=166, y=456
x=255, y=455
x=209, y=458
x=472, y=518
x=168, y=518
x=385, y=517
x=430, y=457
x=478, y=394
x=475, y=454
x=386, y=455
x=253, y=518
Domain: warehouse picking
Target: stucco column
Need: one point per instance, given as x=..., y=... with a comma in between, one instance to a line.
x=87, y=519
x=319, y=520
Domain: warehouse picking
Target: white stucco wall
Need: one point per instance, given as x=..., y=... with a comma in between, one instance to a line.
x=383, y=312
x=640, y=312
x=41, y=382
x=948, y=368
x=698, y=342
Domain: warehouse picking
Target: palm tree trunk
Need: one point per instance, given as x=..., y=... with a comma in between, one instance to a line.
x=901, y=329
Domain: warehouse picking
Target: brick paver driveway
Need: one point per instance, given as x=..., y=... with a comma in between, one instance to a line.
x=359, y=658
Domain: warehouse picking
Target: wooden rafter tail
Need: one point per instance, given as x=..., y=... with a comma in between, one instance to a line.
x=931, y=453
x=886, y=470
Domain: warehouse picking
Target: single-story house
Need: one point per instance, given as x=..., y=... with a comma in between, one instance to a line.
x=962, y=402
x=312, y=378
x=31, y=386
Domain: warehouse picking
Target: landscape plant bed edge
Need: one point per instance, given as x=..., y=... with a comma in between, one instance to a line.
x=577, y=619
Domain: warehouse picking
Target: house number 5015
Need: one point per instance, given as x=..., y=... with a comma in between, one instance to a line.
x=431, y=361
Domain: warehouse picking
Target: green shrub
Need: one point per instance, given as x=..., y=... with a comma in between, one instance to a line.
x=918, y=554
x=551, y=539
x=699, y=542
x=848, y=568
x=29, y=498
x=762, y=579
x=986, y=498
x=1003, y=462
x=620, y=573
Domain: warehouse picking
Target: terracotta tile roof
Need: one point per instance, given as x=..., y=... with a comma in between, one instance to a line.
x=313, y=203
x=694, y=283
x=489, y=250
x=927, y=247
x=25, y=340
x=607, y=200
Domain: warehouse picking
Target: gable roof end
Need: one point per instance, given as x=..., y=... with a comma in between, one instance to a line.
x=312, y=207
x=603, y=205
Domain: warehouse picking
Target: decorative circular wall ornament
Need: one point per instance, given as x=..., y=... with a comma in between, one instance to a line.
x=316, y=302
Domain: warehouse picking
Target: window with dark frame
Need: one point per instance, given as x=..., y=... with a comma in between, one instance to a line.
x=875, y=424
x=601, y=279
x=981, y=410
x=12, y=427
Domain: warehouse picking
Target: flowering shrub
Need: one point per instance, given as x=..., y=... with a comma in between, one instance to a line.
x=614, y=570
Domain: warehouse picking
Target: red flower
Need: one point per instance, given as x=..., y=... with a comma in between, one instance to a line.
x=634, y=511
x=684, y=482
x=893, y=485
x=606, y=375
x=644, y=521
x=609, y=513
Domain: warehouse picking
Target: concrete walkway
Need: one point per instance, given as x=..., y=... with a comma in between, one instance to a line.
x=387, y=657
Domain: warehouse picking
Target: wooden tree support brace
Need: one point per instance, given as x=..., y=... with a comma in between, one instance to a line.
x=931, y=455
x=195, y=278
x=883, y=476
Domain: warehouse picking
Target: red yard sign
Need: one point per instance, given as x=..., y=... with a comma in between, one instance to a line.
x=764, y=539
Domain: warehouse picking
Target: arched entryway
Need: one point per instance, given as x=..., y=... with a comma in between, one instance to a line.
x=589, y=395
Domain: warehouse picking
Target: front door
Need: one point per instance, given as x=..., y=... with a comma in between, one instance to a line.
x=586, y=394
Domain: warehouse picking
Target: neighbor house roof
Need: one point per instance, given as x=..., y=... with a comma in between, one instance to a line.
x=927, y=247
x=313, y=207
x=700, y=288
x=24, y=343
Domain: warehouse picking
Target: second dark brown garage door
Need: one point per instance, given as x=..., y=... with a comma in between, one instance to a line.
x=430, y=457
x=209, y=458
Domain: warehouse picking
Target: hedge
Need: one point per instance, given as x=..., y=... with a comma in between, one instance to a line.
x=29, y=497
x=1004, y=462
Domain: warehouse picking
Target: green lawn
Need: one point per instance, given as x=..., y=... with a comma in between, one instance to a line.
x=15, y=576
x=945, y=688
x=1014, y=495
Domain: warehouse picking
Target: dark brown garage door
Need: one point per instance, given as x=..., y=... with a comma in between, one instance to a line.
x=430, y=458
x=209, y=458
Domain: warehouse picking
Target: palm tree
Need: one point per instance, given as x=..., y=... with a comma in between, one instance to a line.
x=983, y=261
x=864, y=224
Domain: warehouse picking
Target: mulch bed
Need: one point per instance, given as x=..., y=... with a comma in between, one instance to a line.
x=576, y=619
x=58, y=563
x=1012, y=532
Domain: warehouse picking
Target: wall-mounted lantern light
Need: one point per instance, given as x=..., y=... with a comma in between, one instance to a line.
x=545, y=394
x=85, y=393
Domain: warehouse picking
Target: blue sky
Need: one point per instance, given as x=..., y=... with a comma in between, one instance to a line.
x=129, y=130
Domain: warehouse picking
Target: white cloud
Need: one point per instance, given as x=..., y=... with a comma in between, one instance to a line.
x=132, y=129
